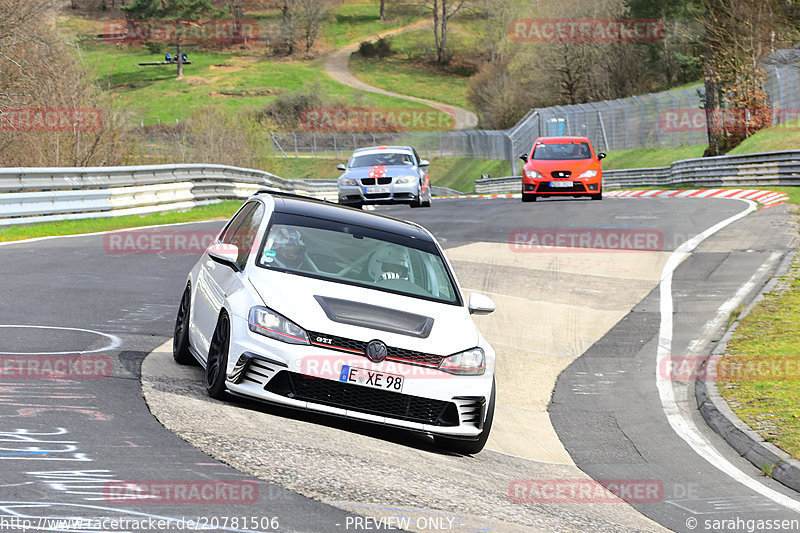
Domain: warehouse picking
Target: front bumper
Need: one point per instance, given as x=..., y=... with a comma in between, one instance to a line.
x=402, y=194
x=307, y=377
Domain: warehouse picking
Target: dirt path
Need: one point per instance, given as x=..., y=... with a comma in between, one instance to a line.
x=336, y=66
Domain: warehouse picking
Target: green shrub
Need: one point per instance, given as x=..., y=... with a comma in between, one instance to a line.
x=155, y=47
x=380, y=48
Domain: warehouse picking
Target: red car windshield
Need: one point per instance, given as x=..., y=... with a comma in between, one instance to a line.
x=560, y=151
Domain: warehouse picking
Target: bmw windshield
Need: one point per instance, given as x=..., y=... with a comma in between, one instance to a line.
x=357, y=255
x=386, y=159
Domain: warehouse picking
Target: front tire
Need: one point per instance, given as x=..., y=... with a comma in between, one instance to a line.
x=598, y=196
x=181, y=352
x=528, y=197
x=217, y=361
x=470, y=447
x=426, y=203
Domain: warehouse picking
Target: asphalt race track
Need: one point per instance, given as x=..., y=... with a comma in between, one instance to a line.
x=585, y=321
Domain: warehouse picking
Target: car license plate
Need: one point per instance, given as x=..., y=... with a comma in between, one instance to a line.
x=561, y=184
x=371, y=378
x=375, y=190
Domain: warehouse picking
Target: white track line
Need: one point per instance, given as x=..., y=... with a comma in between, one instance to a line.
x=682, y=424
x=115, y=342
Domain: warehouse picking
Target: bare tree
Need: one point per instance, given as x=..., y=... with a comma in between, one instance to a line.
x=442, y=11
x=288, y=29
x=310, y=15
x=737, y=34
x=496, y=16
x=383, y=10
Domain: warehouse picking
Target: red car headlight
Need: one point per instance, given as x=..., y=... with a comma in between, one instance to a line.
x=532, y=174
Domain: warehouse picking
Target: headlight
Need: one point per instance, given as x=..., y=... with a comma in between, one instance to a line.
x=347, y=182
x=532, y=174
x=468, y=363
x=270, y=324
x=588, y=174
x=405, y=179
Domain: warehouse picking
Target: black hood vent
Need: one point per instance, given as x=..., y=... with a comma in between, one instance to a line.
x=375, y=317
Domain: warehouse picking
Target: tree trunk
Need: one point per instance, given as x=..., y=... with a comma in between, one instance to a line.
x=287, y=29
x=711, y=102
x=443, y=59
x=383, y=10
x=237, y=15
x=436, y=29
x=180, y=60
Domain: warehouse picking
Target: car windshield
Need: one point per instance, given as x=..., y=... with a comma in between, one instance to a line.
x=556, y=151
x=386, y=159
x=357, y=256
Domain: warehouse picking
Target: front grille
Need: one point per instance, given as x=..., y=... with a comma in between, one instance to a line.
x=364, y=399
x=576, y=187
x=561, y=174
x=380, y=181
x=401, y=355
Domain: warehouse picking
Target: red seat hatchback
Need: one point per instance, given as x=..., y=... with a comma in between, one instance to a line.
x=562, y=166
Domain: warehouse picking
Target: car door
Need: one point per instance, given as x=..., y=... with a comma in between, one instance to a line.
x=216, y=281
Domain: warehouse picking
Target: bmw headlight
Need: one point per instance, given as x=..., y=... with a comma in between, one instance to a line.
x=267, y=322
x=532, y=174
x=402, y=180
x=347, y=182
x=588, y=174
x=467, y=363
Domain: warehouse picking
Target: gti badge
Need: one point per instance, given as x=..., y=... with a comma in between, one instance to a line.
x=376, y=351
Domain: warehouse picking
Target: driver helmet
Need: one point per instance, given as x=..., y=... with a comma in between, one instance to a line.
x=289, y=247
x=392, y=264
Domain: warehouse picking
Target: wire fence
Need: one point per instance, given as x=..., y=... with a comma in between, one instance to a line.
x=664, y=119
x=783, y=85
x=483, y=144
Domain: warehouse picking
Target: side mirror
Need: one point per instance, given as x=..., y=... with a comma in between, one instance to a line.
x=600, y=156
x=341, y=167
x=524, y=157
x=424, y=163
x=480, y=304
x=225, y=254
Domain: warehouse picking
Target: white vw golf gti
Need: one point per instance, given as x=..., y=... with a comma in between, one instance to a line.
x=327, y=308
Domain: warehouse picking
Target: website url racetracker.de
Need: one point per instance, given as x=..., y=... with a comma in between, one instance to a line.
x=199, y=523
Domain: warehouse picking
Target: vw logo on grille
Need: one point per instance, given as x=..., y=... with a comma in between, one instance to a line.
x=376, y=351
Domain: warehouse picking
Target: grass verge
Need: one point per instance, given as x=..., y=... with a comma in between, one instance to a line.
x=238, y=82
x=763, y=388
x=409, y=71
x=353, y=21
x=783, y=137
x=219, y=211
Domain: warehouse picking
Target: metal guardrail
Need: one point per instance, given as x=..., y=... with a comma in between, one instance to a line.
x=45, y=194
x=755, y=170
